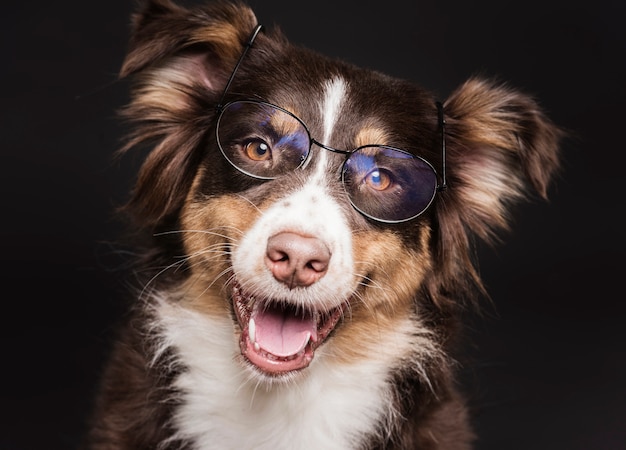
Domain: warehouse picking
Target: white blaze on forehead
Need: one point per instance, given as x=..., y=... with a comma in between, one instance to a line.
x=334, y=93
x=330, y=108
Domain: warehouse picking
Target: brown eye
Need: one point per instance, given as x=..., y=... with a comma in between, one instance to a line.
x=378, y=180
x=258, y=151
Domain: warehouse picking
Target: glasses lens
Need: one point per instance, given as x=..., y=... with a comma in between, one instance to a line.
x=262, y=140
x=388, y=184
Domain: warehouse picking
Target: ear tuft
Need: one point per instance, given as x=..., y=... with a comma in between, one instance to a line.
x=161, y=28
x=180, y=59
x=484, y=113
x=501, y=147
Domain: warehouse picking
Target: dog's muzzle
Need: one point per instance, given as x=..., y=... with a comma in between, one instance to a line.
x=278, y=336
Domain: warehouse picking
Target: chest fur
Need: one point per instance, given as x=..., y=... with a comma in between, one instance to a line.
x=223, y=406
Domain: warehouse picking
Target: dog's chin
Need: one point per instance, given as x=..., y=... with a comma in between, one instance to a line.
x=277, y=338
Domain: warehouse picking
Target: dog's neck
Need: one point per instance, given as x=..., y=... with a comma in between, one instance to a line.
x=224, y=407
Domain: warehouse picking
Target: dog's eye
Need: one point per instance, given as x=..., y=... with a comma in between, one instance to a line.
x=378, y=179
x=258, y=150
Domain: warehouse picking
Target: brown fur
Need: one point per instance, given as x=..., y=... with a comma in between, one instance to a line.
x=500, y=147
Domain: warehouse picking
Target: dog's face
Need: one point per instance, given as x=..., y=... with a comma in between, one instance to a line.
x=305, y=195
x=299, y=261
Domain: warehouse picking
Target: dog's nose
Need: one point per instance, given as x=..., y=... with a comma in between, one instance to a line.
x=296, y=260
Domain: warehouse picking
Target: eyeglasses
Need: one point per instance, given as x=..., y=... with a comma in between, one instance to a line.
x=266, y=141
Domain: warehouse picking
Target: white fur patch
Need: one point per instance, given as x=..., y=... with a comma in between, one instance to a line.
x=334, y=93
x=329, y=407
x=330, y=108
x=310, y=211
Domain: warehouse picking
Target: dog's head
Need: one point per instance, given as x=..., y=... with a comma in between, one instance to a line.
x=308, y=195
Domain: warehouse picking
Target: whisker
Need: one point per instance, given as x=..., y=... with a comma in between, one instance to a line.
x=251, y=203
x=366, y=281
x=220, y=249
x=210, y=232
x=216, y=278
x=158, y=274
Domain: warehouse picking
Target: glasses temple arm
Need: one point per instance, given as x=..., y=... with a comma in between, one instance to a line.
x=246, y=47
x=442, y=127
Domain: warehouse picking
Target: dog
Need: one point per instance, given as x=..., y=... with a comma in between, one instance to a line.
x=304, y=231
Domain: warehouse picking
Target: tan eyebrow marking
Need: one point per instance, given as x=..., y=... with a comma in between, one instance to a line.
x=372, y=134
x=285, y=124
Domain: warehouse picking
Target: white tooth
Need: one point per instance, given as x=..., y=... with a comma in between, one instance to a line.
x=252, y=330
x=257, y=347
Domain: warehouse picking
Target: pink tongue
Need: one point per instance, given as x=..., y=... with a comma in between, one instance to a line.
x=282, y=332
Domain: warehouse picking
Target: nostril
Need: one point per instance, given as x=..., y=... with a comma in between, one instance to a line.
x=276, y=255
x=297, y=260
x=318, y=266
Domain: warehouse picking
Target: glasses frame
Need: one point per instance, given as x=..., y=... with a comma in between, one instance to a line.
x=221, y=107
x=306, y=156
x=263, y=103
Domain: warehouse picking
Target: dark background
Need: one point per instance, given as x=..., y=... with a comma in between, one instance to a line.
x=550, y=369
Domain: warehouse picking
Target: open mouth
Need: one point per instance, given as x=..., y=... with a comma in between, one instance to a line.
x=277, y=337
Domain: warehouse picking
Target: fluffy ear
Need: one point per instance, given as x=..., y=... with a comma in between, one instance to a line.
x=500, y=148
x=161, y=28
x=180, y=60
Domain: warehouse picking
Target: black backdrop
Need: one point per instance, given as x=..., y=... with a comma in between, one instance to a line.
x=550, y=360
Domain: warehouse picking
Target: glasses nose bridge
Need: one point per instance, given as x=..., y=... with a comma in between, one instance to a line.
x=328, y=147
x=319, y=144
